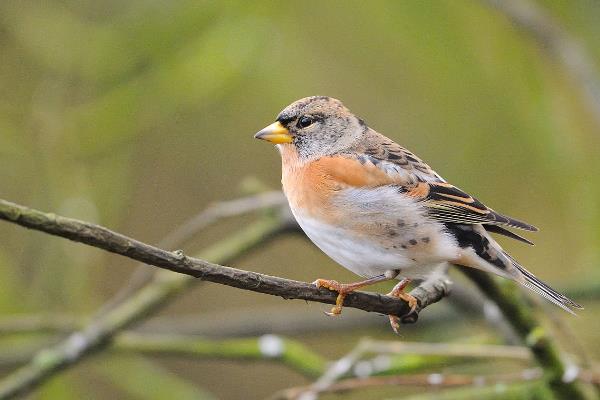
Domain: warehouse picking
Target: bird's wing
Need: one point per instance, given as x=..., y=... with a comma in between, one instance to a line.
x=447, y=203
x=390, y=157
x=505, y=232
x=443, y=201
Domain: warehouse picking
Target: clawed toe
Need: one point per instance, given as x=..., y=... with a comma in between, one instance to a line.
x=411, y=300
x=395, y=320
x=329, y=284
x=334, y=286
x=395, y=323
x=335, y=311
x=343, y=289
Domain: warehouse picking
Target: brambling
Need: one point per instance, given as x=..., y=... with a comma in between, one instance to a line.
x=380, y=211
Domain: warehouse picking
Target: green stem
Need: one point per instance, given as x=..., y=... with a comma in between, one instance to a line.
x=522, y=318
x=268, y=347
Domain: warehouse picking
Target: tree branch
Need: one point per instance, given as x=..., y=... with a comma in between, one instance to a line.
x=186, y=231
x=99, y=332
x=103, y=238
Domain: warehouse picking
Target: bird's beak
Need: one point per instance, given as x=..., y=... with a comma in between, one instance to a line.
x=275, y=133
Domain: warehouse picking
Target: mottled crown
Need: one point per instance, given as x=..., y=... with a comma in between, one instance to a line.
x=331, y=126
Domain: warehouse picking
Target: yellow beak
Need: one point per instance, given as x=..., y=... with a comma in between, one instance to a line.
x=275, y=133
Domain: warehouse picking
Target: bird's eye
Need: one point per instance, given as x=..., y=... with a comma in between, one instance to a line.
x=303, y=122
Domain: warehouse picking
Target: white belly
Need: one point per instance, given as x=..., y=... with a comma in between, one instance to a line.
x=379, y=230
x=369, y=258
x=356, y=255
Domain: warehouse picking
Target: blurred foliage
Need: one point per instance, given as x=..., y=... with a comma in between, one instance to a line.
x=137, y=114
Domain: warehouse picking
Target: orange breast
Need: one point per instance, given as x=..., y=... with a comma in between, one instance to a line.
x=311, y=186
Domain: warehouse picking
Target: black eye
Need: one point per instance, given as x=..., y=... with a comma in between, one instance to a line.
x=303, y=122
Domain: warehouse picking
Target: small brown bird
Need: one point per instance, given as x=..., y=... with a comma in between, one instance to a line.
x=379, y=210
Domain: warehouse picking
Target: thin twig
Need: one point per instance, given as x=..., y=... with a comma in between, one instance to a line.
x=421, y=380
x=190, y=228
x=220, y=210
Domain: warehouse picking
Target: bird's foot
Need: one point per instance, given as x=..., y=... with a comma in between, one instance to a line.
x=341, y=288
x=398, y=292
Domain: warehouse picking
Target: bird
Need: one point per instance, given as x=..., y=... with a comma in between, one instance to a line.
x=380, y=211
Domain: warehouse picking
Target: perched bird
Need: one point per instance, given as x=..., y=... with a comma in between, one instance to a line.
x=380, y=211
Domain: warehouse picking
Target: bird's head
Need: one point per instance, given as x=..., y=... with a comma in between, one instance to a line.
x=314, y=127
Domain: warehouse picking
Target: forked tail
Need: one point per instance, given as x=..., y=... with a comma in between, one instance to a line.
x=533, y=283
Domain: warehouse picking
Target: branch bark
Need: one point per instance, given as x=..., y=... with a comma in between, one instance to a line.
x=183, y=233
x=103, y=238
x=99, y=333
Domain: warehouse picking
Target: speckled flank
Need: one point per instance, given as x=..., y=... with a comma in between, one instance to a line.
x=368, y=244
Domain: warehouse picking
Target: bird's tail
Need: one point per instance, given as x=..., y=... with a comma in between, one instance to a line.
x=492, y=258
x=538, y=286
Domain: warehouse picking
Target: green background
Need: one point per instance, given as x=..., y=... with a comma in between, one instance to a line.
x=136, y=115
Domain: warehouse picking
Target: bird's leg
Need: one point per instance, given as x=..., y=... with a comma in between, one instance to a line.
x=344, y=288
x=398, y=291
